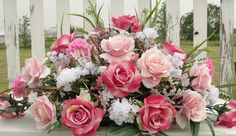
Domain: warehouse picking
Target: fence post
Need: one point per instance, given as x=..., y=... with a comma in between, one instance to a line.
x=116, y=8
x=37, y=29
x=63, y=9
x=11, y=38
x=200, y=24
x=143, y=4
x=226, y=43
x=173, y=21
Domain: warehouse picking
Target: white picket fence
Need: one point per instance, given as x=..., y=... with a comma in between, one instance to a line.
x=115, y=8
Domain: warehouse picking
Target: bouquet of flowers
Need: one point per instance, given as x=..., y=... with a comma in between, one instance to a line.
x=119, y=75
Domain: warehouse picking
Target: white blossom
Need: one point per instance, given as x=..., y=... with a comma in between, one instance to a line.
x=150, y=33
x=32, y=96
x=176, y=73
x=213, y=95
x=185, y=81
x=123, y=112
x=84, y=94
x=106, y=97
x=140, y=36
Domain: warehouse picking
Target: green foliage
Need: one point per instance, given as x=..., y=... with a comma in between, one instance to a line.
x=209, y=123
x=213, y=23
x=158, y=21
x=194, y=126
x=24, y=32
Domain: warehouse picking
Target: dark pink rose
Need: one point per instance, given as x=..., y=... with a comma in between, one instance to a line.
x=18, y=87
x=43, y=112
x=82, y=117
x=156, y=114
x=79, y=48
x=122, y=78
x=62, y=43
x=6, y=115
x=171, y=49
x=210, y=66
x=228, y=119
x=127, y=22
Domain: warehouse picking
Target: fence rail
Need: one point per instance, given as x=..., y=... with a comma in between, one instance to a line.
x=115, y=8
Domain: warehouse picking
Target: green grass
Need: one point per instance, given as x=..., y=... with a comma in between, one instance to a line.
x=213, y=52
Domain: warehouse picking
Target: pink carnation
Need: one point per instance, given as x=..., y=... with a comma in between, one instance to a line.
x=18, y=87
x=79, y=48
x=210, y=66
x=171, y=49
x=127, y=22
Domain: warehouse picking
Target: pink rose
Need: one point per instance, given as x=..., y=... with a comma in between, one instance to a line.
x=156, y=114
x=171, y=49
x=154, y=65
x=228, y=119
x=193, y=108
x=81, y=117
x=210, y=66
x=117, y=48
x=62, y=43
x=18, y=87
x=33, y=71
x=127, y=22
x=43, y=112
x=121, y=78
x=10, y=114
x=202, y=78
x=79, y=48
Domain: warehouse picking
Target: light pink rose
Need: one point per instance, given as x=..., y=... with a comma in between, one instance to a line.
x=202, y=78
x=18, y=87
x=10, y=114
x=171, y=49
x=43, y=112
x=193, y=108
x=210, y=65
x=62, y=43
x=128, y=23
x=154, y=65
x=122, y=78
x=32, y=72
x=156, y=114
x=82, y=117
x=79, y=48
x=228, y=119
x=117, y=48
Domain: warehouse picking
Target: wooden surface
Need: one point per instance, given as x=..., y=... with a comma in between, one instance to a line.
x=11, y=38
x=226, y=43
x=173, y=21
x=200, y=24
x=37, y=29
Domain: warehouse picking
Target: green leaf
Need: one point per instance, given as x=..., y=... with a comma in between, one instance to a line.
x=125, y=130
x=98, y=15
x=208, y=121
x=194, y=126
x=150, y=14
x=163, y=133
x=84, y=17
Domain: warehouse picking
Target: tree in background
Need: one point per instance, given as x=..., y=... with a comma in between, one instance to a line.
x=24, y=32
x=213, y=23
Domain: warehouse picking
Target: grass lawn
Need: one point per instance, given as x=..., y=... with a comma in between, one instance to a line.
x=213, y=52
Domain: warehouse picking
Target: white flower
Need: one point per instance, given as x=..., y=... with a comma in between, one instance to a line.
x=32, y=96
x=140, y=36
x=106, y=97
x=45, y=73
x=84, y=94
x=122, y=112
x=213, y=95
x=150, y=33
x=176, y=73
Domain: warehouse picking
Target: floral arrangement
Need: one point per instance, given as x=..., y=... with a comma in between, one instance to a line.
x=119, y=75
